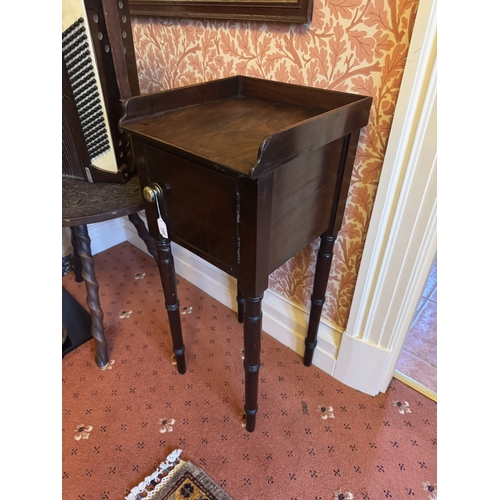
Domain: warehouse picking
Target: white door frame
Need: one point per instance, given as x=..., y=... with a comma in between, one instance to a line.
x=402, y=237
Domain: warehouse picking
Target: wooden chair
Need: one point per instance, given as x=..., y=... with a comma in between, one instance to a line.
x=87, y=203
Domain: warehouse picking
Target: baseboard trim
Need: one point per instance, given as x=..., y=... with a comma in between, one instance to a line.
x=104, y=235
x=371, y=357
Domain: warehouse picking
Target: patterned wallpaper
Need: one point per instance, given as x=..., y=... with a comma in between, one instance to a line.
x=357, y=46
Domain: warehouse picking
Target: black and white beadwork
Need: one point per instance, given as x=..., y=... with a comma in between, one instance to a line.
x=77, y=57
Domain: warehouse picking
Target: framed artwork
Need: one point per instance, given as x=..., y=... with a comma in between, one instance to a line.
x=283, y=11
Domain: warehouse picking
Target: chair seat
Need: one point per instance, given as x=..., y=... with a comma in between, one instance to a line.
x=87, y=203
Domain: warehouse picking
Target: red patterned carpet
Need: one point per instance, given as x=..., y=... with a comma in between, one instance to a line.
x=315, y=438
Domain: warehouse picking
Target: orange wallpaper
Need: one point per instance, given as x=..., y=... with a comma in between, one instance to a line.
x=355, y=46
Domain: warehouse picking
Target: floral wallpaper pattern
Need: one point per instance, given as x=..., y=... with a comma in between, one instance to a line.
x=357, y=46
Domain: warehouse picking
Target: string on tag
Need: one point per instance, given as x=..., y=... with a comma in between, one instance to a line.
x=162, y=227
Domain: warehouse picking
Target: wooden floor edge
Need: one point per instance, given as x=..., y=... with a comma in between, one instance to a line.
x=415, y=385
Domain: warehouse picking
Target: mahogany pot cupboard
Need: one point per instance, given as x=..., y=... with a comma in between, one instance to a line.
x=245, y=172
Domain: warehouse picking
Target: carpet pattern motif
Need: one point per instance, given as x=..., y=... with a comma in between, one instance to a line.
x=316, y=439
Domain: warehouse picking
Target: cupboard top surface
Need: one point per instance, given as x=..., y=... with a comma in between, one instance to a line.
x=244, y=125
x=227, y=132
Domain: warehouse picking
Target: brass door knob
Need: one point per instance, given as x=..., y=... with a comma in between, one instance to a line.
x=152, y=193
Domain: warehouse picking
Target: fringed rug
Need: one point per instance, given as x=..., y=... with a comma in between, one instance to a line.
x=176, y=479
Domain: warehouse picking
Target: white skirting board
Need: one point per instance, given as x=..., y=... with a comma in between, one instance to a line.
x=282, y=319
x=104, y=235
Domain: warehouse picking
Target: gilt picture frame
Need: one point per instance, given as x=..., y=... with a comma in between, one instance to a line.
x=284, y=11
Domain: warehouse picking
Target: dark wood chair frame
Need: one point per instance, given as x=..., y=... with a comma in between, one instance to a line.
x=108, y=201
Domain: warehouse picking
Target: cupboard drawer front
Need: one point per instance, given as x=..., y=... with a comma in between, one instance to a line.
x=200, y=206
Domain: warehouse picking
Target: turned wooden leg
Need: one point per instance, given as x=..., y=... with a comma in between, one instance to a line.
x=252, y=327
x=77, y=263
x=323, y=264
x=96, y=314
x=169, y=283
x=240, y=299
x=144, y=235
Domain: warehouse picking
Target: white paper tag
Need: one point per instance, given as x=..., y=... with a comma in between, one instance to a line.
x=162, y=227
